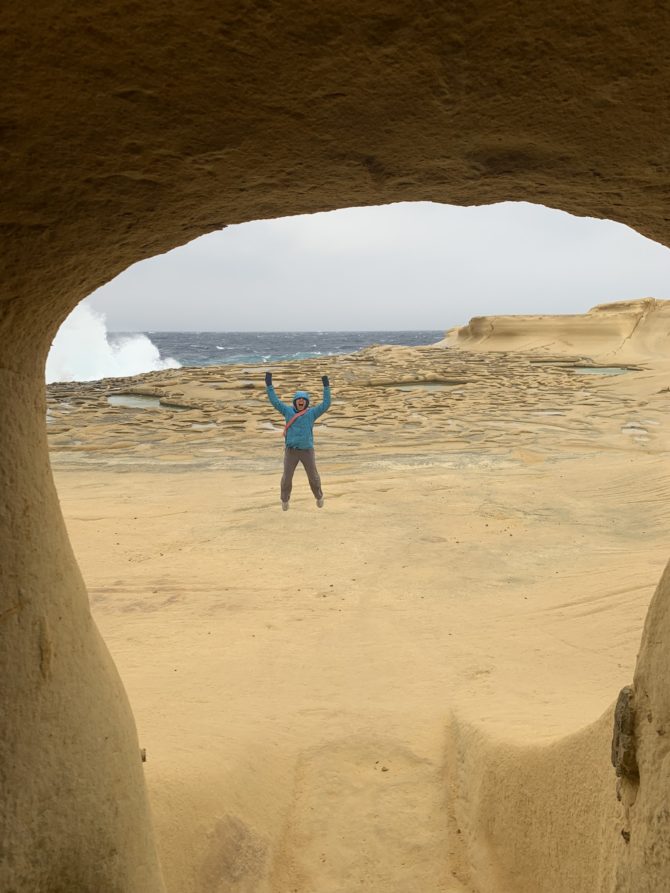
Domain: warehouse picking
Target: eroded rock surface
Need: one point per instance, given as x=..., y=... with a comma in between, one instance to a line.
x=476, y=554
x=616, y=332
x=388, y=401
x=127, y=130
x=624, y=757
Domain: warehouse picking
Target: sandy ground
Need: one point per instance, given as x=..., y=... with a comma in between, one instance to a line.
x=492, y=535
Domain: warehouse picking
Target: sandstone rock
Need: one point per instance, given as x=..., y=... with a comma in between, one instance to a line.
x=624, y=758
x=128, y=130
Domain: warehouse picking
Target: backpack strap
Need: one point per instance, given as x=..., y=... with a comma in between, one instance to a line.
x=292, y=419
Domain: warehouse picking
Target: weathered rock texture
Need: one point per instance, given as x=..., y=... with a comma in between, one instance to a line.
x=625, y=331
x=127, y=129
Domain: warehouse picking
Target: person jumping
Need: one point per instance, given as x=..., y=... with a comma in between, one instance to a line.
x=300, y=418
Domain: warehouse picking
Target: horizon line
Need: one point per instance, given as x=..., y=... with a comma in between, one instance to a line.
x=264, y=331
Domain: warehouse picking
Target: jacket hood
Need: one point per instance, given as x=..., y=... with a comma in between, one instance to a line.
x=303, y=394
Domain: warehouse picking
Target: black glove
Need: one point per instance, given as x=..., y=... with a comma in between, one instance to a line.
x=325, y=380
x=268, y=378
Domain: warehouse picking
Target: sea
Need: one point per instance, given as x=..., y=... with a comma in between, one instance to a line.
x=214, y=348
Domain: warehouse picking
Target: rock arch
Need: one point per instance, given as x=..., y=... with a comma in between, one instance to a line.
x=127, y=129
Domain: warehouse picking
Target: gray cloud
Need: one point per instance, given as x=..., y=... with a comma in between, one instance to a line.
x=402, y=266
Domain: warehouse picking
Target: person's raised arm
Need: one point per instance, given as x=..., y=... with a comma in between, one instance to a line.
x=325, y=403
x=272, y=396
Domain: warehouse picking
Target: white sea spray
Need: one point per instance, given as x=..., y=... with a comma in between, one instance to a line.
x=83, y=350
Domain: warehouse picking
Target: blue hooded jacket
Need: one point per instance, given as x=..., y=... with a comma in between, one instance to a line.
x=299, y=436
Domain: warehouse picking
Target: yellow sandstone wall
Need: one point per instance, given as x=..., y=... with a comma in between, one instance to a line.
x=627, y=331
x=127, y=129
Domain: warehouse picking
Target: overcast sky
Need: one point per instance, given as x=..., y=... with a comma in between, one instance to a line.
x=402, y=266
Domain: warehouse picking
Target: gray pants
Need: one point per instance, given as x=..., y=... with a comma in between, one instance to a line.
x=291, y=459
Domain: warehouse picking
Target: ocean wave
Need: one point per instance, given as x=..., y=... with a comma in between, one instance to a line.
x=84, y=351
